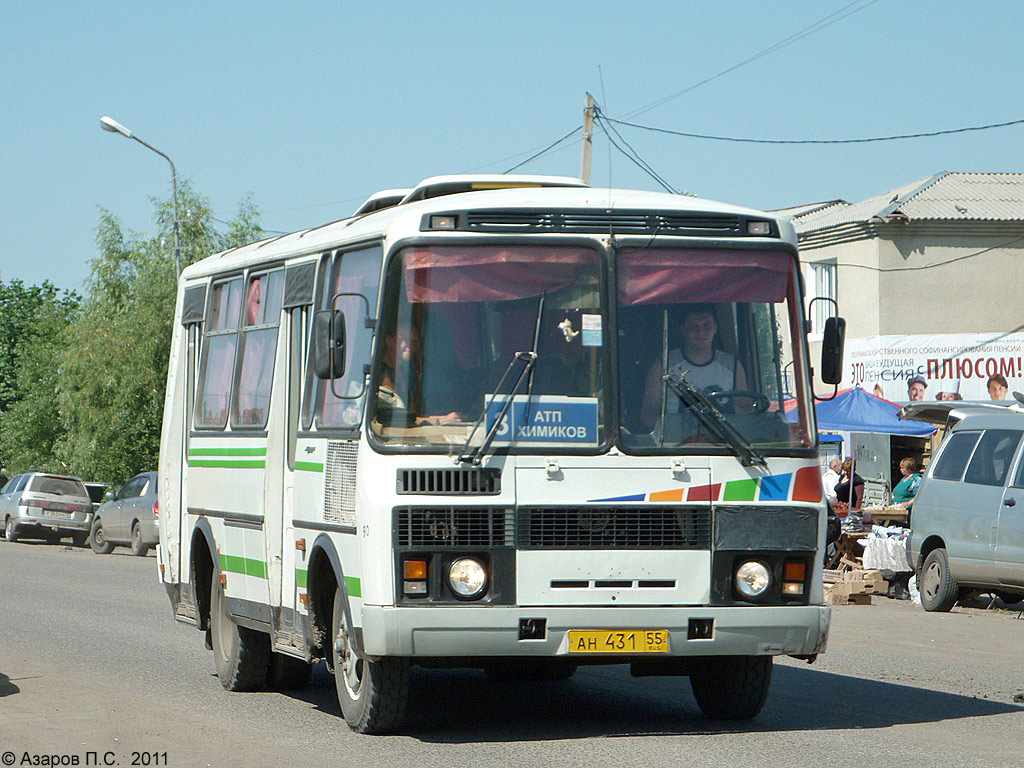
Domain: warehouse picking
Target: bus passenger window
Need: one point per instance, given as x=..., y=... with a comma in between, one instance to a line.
x=259, y=350
x=218, y=354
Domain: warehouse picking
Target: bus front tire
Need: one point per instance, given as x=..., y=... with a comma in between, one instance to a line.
x=372, y=694
x=732, y=687
x=240, y=654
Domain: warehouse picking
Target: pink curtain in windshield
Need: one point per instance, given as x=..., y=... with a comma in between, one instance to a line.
x=663, y=276
x=491, y=273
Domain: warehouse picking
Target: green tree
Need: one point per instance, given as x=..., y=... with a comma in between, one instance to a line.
x=112, y=379
x=33, y=323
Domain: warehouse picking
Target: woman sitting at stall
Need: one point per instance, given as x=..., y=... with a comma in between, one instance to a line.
x=904, y=492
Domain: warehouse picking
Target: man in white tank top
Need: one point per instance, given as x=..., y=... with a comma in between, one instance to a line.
x=703, y=366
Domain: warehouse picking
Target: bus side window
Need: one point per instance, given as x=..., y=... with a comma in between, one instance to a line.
x=218, y=354
x=262, y=317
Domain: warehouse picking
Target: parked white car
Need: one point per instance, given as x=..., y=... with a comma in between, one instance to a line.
x=43, y=506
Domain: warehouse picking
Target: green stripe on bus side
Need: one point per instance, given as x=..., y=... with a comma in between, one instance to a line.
x=227, y=463
x=352, y=585
x=246, y=566
x=228, y=451
x=308, y=466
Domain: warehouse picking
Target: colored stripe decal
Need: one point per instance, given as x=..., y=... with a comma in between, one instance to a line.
x=807, y=485
x=634, y=497
x=704, y=492
x=740, y=490
x=775, y=488
x=246, y=566
x=353, y=587
x=308, y=466
x=228, y=463
x=228, y=451
x=300, y=579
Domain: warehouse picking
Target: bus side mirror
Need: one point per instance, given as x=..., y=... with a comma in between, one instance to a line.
x=832, y=342
x=329, y=344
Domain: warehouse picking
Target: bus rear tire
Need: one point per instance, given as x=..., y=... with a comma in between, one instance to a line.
x=732, y=687
x=240, y=654
x=372, y=694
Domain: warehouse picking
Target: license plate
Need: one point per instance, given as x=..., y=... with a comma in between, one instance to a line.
x=619, y=641
x=58, y=513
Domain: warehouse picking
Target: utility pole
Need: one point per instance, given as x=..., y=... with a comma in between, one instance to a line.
x=588, y=138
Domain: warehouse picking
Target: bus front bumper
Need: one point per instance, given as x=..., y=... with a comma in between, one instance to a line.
x=459, y=631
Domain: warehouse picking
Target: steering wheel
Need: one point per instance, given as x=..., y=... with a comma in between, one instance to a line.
x=724, y=399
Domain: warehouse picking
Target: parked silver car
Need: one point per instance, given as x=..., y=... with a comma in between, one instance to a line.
x=968, y=515
x=129, y=519
x=43, y=506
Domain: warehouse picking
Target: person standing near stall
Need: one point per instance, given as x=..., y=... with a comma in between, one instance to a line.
x=904, y=492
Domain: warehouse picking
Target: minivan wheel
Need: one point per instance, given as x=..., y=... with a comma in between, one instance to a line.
x=138, y=548
x=939, y=590
x=9, y=533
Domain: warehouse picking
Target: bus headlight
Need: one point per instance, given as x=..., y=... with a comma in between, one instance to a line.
x=752, y=579
x=467, y=577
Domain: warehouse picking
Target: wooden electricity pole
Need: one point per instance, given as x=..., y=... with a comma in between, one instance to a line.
x=588, y=139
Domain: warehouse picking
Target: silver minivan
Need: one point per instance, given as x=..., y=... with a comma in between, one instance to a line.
x=43, y=506
x=968, y=516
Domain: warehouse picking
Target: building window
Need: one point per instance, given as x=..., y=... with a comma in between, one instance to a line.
x=823, y=285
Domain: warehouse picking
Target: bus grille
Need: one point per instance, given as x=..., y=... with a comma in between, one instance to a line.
x=449, y=482
x=621, y=222
x=340, y=483
x=453, y=527
x=614, y=528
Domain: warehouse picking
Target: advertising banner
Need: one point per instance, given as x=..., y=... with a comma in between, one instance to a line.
x=955, y=366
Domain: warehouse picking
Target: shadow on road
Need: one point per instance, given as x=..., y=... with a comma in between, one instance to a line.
x=6, y=686
x=463, y=706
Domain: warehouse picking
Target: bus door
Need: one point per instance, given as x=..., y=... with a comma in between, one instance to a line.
x=297, y=305
x=193, y=312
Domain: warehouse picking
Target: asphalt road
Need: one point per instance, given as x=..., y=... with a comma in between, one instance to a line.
x=91, y=660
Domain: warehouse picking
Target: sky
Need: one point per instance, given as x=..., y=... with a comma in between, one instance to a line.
x=311, y=107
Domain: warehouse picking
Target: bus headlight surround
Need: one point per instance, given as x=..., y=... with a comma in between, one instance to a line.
x=467, y=578
x=752, y=579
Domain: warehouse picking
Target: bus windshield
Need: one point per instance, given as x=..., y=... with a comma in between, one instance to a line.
x=457, y=318
x=720, y=320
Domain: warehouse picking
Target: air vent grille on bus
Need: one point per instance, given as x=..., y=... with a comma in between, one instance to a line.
x=449, y=482
x=340, y=483
x=597, y=222
x=454, y=527
x=615, y=528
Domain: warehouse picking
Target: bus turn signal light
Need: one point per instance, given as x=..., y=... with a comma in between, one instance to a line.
x=414, y=570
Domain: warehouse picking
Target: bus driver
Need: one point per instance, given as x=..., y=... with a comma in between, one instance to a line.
x=705, y=367
x=400, y=377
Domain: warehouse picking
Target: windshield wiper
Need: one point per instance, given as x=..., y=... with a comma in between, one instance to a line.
x=529, y=360
x=713, y=419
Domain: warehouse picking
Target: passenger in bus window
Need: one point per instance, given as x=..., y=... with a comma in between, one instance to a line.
x=705, y=367
x=401, y=377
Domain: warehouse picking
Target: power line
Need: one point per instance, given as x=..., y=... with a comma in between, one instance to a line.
x=741, y=140
x=632, y=154
x=548, y=147
x=817, y=26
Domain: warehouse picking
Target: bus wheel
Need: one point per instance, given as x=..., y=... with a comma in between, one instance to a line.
x=240, y=654
x=732, y=687
x=287, y=673
x=372, y=694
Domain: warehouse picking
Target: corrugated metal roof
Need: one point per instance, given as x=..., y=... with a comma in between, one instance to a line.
x=946, y=196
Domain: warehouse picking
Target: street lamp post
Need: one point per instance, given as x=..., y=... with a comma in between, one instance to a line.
x=110, y=124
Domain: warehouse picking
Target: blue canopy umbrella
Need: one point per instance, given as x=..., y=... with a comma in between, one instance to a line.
x=854, y=410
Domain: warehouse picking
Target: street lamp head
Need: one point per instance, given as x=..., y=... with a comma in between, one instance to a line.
x=110, y=124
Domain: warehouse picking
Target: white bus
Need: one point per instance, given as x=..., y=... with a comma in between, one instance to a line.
x=504, y=422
